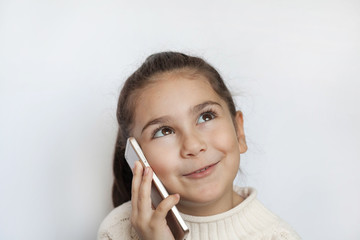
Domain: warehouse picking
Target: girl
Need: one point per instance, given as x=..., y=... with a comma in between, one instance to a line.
x=183, y=116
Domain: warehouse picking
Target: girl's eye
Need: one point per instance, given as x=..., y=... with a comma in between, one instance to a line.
x=206, y=117
x=163, y=131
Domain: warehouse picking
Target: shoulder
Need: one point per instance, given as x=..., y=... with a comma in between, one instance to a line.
x=284, y=231
x=273, y=225
x=116, y=225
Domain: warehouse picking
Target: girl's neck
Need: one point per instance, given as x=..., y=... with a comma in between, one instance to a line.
x=225, y=203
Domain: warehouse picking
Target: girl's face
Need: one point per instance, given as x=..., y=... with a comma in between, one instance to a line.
x=188, y=136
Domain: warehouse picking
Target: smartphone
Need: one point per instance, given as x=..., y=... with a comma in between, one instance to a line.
x=174, y=220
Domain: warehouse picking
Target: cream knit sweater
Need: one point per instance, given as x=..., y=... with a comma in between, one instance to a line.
x=248, y=220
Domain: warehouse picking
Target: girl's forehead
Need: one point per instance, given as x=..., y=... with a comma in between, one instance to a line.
x=177, y=87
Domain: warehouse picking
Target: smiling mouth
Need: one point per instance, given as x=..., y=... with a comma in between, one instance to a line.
x=201, y=170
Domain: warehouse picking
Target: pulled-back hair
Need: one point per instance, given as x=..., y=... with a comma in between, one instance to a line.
x=154, y=65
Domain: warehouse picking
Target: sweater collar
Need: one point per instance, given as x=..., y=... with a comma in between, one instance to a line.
x=247, y=220
x=249, y=195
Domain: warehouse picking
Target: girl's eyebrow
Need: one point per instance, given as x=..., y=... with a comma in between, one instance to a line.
x=199, y=107
x=195, y=109
x=155, y=121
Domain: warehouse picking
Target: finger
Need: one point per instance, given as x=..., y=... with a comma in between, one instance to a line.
x=144, y=196
x=164, y=207
x=136, y=182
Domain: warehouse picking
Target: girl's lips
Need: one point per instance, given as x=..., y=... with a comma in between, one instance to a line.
x=202, y=172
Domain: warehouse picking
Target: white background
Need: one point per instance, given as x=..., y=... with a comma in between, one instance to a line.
x=294, y=65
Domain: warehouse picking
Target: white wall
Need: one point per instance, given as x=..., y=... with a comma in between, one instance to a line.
x=294, y=64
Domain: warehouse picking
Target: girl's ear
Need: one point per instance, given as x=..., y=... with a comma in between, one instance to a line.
x=239, y=121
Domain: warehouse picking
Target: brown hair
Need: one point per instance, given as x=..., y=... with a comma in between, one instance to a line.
x=163, y=62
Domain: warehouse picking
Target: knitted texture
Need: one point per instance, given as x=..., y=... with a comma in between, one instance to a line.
x=249, y=220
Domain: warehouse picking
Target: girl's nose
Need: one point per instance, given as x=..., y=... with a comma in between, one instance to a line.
x=192, y=145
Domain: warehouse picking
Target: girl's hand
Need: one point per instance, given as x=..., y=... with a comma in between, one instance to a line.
x=149, y=223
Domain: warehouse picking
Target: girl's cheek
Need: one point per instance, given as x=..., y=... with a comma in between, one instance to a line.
x=162, y=170
x=223, y=137
x=162, y=162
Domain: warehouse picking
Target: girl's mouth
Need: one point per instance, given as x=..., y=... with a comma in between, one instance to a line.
x=203, y=172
